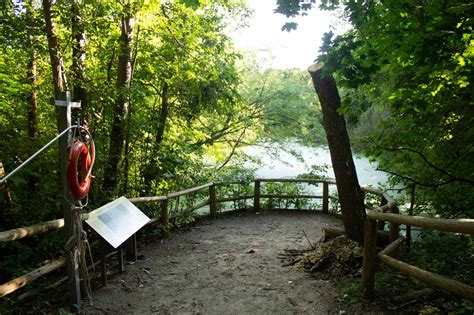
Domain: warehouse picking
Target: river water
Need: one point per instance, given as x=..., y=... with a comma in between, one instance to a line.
x=276, y=161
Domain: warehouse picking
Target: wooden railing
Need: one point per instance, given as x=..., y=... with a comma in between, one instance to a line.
x=378, y=215
x=163, y=219
x=388, y=255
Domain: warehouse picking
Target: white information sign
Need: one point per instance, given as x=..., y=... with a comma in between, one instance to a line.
x=117, y=221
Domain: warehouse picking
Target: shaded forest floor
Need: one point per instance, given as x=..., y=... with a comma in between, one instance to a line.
x=236, y=265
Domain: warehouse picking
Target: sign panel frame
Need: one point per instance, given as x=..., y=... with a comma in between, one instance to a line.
x=116, y=221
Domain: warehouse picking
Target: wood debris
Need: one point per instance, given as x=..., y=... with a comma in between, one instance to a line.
x=339, y=256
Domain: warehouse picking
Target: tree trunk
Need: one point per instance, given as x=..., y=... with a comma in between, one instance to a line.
x=124, y=75
x=79, y=60
x=32, y=97
x=54, y=54
x=150, y=170
x=351, y=196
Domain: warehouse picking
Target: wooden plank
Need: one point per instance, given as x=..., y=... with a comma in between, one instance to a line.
x=147, y=199
x=131, y=249
x=121, y=265
x=292, y=196
x=188, y=191
x=394, y=232
x=16, y=234
x=196, y=206
x=444, y=283
x=384, y=208
x=15, y=284
x=212, y=201
x=35, y=229
x=256, y=196
x=369, y=263
x=236, y=198
x=372, y=191
x=325, y=198
x=393, y=246
x=465, y=226
x=388, y=198
x=153, y=221
x=164, y=212
x=381, y=223
x=295, y=180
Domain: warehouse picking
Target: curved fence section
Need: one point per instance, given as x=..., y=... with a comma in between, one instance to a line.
x=209, y=203
x=208, y=200
x=388, y=255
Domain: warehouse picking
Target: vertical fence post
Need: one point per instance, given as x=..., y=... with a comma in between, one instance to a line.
x=370, y=251
x=103, y=263
x=256, y=196
x=164, y=212
x=120, y=259
x=410, y=212
x=381, y=223
x=325, y=197
x=394, y=231
x=213, y=201
x=131, y=248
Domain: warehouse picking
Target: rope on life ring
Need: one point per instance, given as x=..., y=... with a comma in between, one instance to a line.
x=79, y=184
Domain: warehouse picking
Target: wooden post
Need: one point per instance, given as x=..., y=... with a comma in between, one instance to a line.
x=164, y=212
x=325, y=197
x=131, y=248
x=381, y=223
x=394, y=232
x=120, y=259
x=213, y=201
x=256, y=196
x=63, y=110
x=103, y=264
x=410, y=212
x=370, y=252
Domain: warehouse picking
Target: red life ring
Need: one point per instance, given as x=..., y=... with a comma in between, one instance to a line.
x=79, y=184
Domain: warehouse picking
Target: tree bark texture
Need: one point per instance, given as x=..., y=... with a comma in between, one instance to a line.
x=117, y=136
x=151, y=169
x=32, y=97
x=351, y=196
x=53, y=48
x=79, y=59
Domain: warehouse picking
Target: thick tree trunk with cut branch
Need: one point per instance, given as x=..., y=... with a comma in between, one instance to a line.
x=117, y=136
x=351, y=196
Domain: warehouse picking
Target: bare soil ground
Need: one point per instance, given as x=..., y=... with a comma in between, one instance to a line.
x=232, y=265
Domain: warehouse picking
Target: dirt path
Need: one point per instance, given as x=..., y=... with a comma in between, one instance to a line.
x=230, y=265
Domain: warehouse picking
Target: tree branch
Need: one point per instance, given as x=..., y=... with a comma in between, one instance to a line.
x=415, y=181
x=425, y=159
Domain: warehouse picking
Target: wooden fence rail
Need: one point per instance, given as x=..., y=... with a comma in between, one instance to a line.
x=212, y=201
x=464, y=226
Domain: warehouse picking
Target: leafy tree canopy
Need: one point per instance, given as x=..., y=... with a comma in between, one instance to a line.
x=408, y=69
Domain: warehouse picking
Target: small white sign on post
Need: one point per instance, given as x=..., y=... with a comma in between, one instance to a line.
x=117, y=221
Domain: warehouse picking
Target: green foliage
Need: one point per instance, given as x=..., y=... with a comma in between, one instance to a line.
x=446, y=254
x=285, y=104
x=407, y=71
x=454, y=261
x=181, y=57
